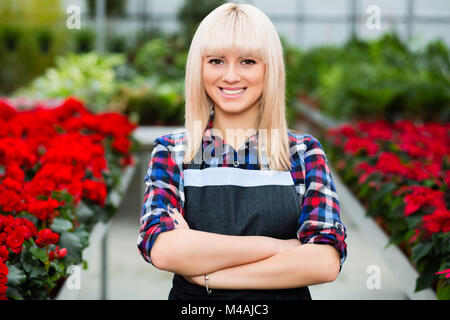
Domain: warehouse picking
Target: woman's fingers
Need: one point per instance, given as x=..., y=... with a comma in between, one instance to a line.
x=178, y=218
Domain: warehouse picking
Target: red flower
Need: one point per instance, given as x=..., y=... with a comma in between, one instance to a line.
x=379, y=129
x=70, y=107
x=422, y=196
x=438, y=221
x=3, y=293
x=3, y=271
x=12, y=185
x=10, y=201
x=15, y=240
x=128, y=160
x=46, y=237
x=414, y=237
x=7, y=111
x=346, y=129
x=4, y=253
x=355, y=144
x=44, y=209
x=57, y=253
x=3, y=280
x=122, y=145
x=14, y=172
x=389, y=163
x=95, y=191
x=446, y=272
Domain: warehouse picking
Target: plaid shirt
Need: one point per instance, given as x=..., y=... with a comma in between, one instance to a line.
x=319, y=221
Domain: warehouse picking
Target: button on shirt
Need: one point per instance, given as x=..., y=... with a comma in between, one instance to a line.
x=319, y=217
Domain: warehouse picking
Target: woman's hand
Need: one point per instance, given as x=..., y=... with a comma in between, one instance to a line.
x=281, y=245
x=198, y=280
x=177, y=218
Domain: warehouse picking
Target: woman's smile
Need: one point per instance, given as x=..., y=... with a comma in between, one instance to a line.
x=232, y=93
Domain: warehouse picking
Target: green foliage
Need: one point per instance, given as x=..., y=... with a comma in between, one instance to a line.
x=155, y=103
x=192, y=13
x=114, y=8
x=26, y=52
x=32, y=13
x=379, y=79
x=87, y=76
x=292, y=57
x=164, y=58
x=83, y=40
x=31, y=36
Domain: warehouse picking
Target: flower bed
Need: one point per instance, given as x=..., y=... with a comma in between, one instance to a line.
x=58, y=167
x=401, y=173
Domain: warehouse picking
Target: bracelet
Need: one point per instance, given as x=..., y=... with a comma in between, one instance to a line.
x=206, y=284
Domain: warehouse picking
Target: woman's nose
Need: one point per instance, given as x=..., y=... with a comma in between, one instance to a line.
x=231, y=74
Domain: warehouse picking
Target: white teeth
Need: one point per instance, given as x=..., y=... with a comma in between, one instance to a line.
x=233, y=91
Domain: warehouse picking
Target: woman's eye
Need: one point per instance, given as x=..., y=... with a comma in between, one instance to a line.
x=215, y=61
x=218, y=61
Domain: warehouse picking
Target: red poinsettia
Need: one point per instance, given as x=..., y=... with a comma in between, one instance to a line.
x=422, y=196
x=446, y=272
x=438, y=221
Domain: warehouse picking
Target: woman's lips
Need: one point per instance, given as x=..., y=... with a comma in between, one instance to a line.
x=232, y=95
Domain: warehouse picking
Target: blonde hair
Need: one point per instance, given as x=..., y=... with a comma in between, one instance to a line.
x=248, y=29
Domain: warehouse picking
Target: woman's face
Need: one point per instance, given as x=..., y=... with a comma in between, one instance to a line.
x=233, y=82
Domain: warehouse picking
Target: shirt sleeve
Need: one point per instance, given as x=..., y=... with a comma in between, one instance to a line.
x=319, y=220
x=162, y=181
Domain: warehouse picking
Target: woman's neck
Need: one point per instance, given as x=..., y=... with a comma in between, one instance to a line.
x=236, y=127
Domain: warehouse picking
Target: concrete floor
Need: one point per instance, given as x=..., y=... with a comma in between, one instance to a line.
x=130, y=277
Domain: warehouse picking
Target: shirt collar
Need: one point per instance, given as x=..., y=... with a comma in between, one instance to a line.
x=208, y=137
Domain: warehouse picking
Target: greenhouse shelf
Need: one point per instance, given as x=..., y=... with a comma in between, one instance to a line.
x=98, y=241
x=399, y=264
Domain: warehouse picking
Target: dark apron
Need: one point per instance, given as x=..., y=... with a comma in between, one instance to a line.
x=271, y=211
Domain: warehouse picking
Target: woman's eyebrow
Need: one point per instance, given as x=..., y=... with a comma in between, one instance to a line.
x=240, y=57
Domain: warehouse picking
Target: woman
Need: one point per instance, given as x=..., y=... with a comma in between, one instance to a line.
x=230, y=221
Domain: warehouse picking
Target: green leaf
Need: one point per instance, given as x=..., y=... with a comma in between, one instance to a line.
x=15, y=276
x=38, y=272
x=13, y=293
x=60, y=225
x=39, y=294
x=72, y=243
x=427, y=276
x=365, y=189
x=412, y=221
x=443, y=291
x=28, y=261
x=420, y=250
x=385, y=189
x=84, y=213
x=84, y=236
x=39, y=253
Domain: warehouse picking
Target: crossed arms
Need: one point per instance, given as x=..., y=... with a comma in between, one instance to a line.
x=244, y=262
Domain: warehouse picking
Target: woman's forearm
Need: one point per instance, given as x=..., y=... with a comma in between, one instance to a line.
x=302, y=266
x=193, y=252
